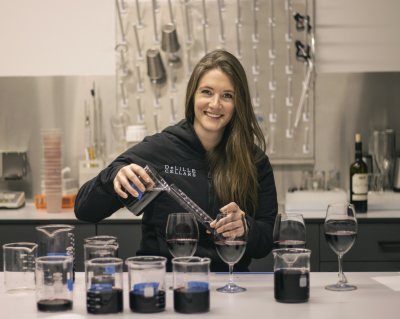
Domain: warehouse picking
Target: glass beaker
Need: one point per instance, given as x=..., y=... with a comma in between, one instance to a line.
x=104, y=285
x=191, y=284
x=292, y=274
x=54, y=283
x=98, y=249
x=56, y=240
x=146, y=283
x=101, y=239
x=136, y=205
x=19, y=267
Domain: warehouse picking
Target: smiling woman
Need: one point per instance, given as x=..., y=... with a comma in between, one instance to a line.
x=215, y=156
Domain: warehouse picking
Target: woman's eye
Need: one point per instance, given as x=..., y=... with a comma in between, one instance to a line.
x=228, y=96
x=206, y=92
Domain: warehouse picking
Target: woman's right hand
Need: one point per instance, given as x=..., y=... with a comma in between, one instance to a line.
x=130, y=173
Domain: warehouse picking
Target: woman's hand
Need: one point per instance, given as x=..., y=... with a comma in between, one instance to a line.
x=233, y=227
x=130, y=173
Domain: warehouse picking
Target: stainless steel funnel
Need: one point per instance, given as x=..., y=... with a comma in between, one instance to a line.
x=169, y=41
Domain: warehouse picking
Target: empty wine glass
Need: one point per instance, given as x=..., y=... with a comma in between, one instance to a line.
x=384, y=153
x=289, y=231
x=340, y=233
x=230, y=248
x=182, y=234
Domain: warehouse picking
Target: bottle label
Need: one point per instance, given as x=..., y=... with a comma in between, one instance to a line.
x=360, y=187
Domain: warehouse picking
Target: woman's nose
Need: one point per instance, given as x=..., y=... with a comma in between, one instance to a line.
x=215, y=101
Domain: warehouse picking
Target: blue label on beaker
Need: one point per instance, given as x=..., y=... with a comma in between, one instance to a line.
x=136, y=189
x=101, y=287
x=110, y=270
x=197, y=286
x=57, y=254
x=143, y=285
x=70, y=283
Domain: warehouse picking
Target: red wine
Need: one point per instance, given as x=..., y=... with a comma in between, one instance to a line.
x=289, y=244
x=139, y=303
x=291, y=285
x=105, y=301
x=359, y=180
x=182, y=247
x=192, y=299
x=340, y=241
x=54, y=305
x=230, y=251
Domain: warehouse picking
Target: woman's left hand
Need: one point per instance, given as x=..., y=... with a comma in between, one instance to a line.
x=235, y=227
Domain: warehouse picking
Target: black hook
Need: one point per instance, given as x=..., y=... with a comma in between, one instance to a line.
x=301, y=51
x=300, y=20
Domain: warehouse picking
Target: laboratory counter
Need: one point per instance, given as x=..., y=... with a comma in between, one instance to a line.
x=377, y=295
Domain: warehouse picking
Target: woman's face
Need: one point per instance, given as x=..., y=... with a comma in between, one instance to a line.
x=213, y=104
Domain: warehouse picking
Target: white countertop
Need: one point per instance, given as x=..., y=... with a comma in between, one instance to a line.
x=370, y=301
x=30, y=212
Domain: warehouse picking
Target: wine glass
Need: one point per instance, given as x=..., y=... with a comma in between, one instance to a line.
x=289, y=231
x=340, y=233
x=182, y=234
x=230, y=248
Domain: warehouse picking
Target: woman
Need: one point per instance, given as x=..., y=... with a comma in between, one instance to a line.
x=211, y=156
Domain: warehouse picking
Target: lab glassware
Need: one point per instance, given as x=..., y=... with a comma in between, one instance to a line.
x=54, y=283
x=157, y=184
x=96, y=249
x=105, y=239
x=384, y=153
x=146, y=283
x=182, y=234
x=191, y=207
x=104, y=291
x=230, y=245
x=191, y=276
x=292, y=274
x=340, y=232
x=19, y=267
x=56, y=240
x=289, y=231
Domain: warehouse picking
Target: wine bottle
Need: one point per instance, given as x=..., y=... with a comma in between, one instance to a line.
x=359, y=180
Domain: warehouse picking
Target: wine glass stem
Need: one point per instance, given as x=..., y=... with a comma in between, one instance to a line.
x=231, y=274
x=341, y=280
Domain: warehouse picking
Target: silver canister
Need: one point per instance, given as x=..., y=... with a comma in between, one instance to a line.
x=169, y=42
x=396, y=178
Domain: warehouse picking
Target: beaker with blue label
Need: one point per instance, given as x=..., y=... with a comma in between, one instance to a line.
x=136, y=205
x=191, y=284
x=99, y=249
x=104, y=287
x=56, y=240
x=292, y=274
x=54, y=283
x=146, y=283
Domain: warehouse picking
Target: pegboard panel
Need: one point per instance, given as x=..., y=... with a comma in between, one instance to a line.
x=265, y=43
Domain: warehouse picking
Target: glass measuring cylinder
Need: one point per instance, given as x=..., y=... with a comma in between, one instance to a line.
x=104, y=285
x=136, y=205
x=146, y=283
x=191, y=284
x=96, y=249
x=19, y=267
x=191, y=207
x=56, y=240
x=292, y=274
x=54, y=283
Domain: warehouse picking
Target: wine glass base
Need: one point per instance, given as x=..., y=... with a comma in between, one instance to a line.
x=231, y=289
x=340, y=288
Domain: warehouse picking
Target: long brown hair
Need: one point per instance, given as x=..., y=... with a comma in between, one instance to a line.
x=232, y=162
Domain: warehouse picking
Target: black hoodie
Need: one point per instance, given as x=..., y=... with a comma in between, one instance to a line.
x=180, y=158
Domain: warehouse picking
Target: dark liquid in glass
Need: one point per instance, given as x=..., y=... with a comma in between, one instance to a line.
x=139, y=303
x=192, y=300
x=340, y=241
x=230, y=251
x=182, y=247
x=103, y=302
x=292, y=285
x=54, y=305
x=289, y=244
